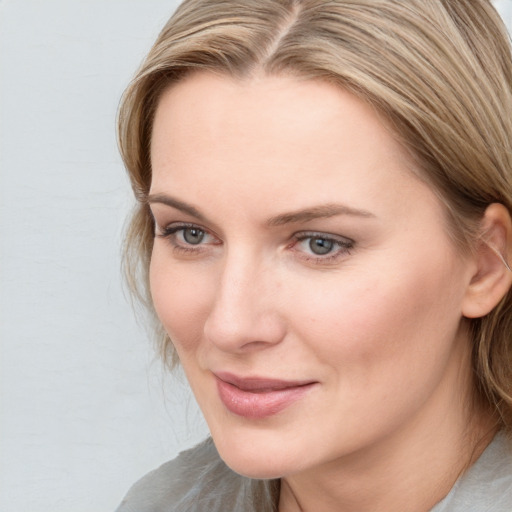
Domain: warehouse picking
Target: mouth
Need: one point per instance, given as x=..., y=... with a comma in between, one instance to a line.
x=255, y=397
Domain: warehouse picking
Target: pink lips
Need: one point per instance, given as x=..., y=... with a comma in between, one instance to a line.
x=258, y=397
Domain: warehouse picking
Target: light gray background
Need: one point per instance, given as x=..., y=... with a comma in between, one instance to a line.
x=85, y=410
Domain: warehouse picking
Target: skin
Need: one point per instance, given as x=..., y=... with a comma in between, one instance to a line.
x=377, y=323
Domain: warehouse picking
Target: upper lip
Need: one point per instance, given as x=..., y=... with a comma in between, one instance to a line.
x=259, y=384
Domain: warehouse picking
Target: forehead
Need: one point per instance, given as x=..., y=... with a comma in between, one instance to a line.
x=279, y=137
x=265, y=104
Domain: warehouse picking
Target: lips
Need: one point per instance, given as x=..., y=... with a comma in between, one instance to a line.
x=255, y=397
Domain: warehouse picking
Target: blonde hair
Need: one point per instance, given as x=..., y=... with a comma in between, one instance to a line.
x=440, y=71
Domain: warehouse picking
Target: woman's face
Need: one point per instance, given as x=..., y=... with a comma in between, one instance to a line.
x=303, y=272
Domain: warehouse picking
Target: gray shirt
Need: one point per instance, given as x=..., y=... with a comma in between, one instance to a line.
x=199, y=481
x=487, y=485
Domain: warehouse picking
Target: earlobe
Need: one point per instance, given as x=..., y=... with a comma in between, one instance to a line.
x=493, y=277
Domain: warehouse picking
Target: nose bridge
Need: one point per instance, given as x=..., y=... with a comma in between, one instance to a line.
x=243, y=312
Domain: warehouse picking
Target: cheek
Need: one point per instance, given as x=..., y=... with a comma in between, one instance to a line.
x=181, y=298
x=395, y=317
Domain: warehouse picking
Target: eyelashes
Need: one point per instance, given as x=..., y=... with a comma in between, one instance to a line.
x=310, y=246
x=321, y=247
x=188, y=238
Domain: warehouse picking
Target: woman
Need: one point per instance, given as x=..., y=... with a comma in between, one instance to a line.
x=323, y=232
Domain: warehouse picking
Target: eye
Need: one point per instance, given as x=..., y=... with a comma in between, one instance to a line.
x=322, y=248
x=193, y=236
x=188, y=238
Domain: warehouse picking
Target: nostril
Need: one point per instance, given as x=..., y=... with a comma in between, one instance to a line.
x=237, y=331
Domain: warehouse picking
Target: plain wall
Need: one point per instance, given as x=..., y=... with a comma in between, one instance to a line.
x=84, y=409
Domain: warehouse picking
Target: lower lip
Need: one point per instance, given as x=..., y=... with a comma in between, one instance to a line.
x=254, y=405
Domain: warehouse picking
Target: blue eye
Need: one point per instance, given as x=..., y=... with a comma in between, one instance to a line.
x=322, y=248
x=192, y=236
x=187, y=238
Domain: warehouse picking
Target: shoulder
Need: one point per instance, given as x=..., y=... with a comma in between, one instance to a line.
x=487, y=486
x=196, y=481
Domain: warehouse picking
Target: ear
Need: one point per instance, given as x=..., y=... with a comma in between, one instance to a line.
x=492, y=277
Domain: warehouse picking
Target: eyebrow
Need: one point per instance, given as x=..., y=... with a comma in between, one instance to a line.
x=175, y=203
x=318, y=212
x=304, y=215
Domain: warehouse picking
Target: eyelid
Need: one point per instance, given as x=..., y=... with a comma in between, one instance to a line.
x=304, y=235
x=163, y=213
x=341, y=245
x=171, y=230
x=345, y=245
x=177, y=225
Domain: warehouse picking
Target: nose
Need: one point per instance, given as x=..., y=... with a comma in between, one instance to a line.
x=245, y=313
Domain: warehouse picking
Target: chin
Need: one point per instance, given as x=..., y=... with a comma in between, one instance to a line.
x=261, y=468
x=257, y=458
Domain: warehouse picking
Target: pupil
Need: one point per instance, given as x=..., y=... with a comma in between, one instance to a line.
x=320, y=245
x=193, y=236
